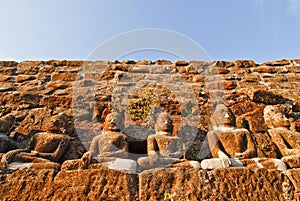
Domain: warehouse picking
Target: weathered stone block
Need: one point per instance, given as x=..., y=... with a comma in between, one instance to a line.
x=244, y=63
x=268, y=98
x=282, y=62
x=8, y=63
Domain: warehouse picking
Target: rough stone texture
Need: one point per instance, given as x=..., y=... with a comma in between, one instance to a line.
x=23, y=185
x=92, y=184
x=220, y=184
x=294, y=176
x=35, y=93
x=104, y=184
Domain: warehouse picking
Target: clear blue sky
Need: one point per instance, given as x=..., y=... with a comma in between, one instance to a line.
x=227, y=29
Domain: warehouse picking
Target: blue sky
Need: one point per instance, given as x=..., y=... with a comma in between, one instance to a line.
x=228, y=30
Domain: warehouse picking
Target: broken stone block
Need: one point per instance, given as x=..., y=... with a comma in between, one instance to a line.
x=124, y=165
x=82, y=163
x=217, y=163
x=267, y=97
x=56, y=124
x=6, y=144
x=267, y=163
x=294, y=177
x=6, y=123
x=34, y=121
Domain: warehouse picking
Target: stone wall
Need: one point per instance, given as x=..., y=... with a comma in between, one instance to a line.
x=157, y=184
x=91, y=184
x=219, y=184
x=34, y=91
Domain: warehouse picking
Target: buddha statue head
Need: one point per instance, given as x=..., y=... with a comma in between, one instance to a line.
x=164, y=124
x=223, y=117
x=113, y=122
x=275, y=118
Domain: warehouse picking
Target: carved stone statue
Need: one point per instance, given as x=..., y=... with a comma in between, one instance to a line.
x=162, y=147
x=233, y=147
x=288, y=142
x=44, y=150
x=226, y=142
x=111, y=142
x=111, y=147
